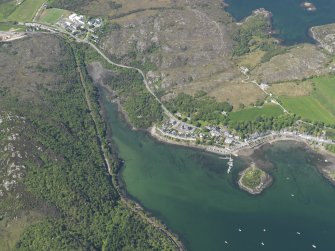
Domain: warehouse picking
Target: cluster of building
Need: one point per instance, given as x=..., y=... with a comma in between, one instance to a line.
x=216, y=135
x=81, y=25
x=221, y=140
x=178, y=130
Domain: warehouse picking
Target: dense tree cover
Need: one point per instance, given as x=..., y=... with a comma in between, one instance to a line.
x=271, y=49
x=330, y=133
x=67, y=4
x=199, y=107
x=141, y=107
x=255, y=26
x=330, y=148
x=315, y=128
x=262, y=124
x=254, y=34
x=71, y=174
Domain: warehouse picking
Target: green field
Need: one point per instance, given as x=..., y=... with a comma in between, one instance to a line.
x=325, y=92
x=249, y=114
x=53, y=15
x=7, y=27
x=26, y=11
x=319, y=106
x=6, y=9
x=330, y=133
x=11, y=229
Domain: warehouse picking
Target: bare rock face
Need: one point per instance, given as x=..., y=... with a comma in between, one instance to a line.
x=325, y=36
x=300, y=62
x=185, y=44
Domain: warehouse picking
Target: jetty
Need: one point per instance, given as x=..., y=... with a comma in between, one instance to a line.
x=230, y=162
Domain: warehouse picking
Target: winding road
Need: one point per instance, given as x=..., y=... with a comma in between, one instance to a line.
x=133, y=206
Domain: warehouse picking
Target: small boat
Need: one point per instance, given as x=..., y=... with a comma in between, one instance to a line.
x=262, y=243
x=314, y=246
x=226, y=242
x=298, y=233
x=292, y=195
x=240, y=230
x=264, y=230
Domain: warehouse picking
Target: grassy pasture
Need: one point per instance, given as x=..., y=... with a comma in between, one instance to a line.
x=10, y=27
x=325, y=92
x=26, y=10
x=307, y=107
x=11, y=229
x=319, y=105
x=6, y=9
x=249, y=114
x=53, y=15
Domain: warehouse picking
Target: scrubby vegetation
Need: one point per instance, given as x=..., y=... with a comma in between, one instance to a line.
x=141, y=107
x=252, y=177
x=199, y=108
x=247, y=34
x=330, y=148
x=253, y=35
x=70, y=173
x=67, y=4
x=262, y=124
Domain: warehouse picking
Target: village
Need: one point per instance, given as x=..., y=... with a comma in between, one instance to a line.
x=220, y=140
x=78, y=26
x=82, y=26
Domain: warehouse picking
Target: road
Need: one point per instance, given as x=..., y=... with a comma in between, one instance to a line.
x=273, y=100
x=145, y=81
x=133, y=206
x=38, y=12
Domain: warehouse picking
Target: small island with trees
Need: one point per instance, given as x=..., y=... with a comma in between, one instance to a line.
x=254, y=180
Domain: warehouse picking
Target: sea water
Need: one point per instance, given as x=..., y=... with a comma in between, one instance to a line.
x=289, y=18
x=191, y=192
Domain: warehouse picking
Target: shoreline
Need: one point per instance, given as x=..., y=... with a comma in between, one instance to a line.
x=266, y=181
x=129, y=201
x=248, y=151
x=245, y=151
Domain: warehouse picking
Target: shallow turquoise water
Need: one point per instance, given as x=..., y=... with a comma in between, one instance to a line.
x=192, y=193
x=291, y=20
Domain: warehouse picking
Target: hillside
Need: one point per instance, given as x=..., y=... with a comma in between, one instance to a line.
x=56, y=192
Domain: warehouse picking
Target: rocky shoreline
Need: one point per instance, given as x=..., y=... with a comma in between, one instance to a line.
x=325, y=167
x=265, y=181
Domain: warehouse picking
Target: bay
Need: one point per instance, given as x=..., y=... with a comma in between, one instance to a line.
x=289, y=18
x=191, y=192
